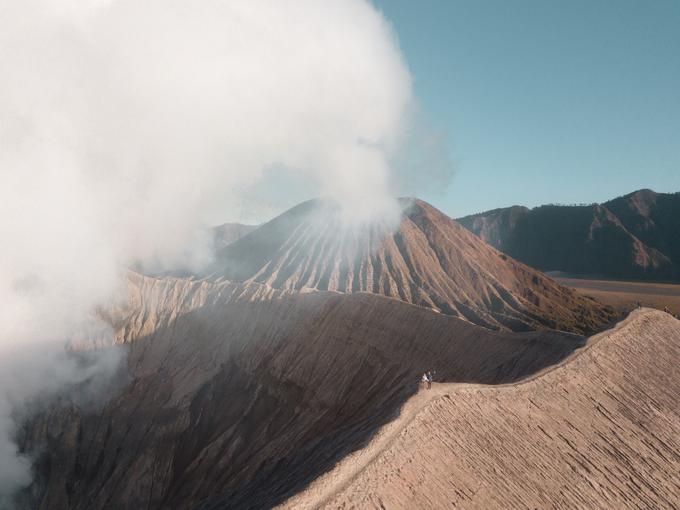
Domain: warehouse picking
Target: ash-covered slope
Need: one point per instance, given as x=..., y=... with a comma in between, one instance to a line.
x=600, y=431
x=428, y=260
x=239, y=395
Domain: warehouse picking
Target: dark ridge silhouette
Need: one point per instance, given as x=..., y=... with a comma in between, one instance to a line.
x=636, y=236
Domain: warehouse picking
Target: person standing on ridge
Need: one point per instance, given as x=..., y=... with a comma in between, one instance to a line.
x=429, y=380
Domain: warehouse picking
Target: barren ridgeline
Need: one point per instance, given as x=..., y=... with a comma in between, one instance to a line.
x=636, y=236
x=600, y=430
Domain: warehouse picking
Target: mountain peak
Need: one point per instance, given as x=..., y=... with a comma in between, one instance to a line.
x=644, y=192
x=427, y=259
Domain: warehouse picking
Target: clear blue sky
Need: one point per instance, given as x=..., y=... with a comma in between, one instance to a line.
x=544, y=101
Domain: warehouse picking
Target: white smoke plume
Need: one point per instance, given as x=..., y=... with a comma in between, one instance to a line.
x=127, y=125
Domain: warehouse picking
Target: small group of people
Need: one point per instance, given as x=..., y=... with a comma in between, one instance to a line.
x=426, y=379
x=638, y=305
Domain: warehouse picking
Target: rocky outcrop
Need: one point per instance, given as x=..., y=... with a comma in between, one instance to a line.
x=240, y=395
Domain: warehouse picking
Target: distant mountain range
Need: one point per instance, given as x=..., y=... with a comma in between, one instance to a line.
x=636, y=236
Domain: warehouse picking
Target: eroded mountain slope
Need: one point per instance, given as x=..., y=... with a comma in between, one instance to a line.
x=429, y=260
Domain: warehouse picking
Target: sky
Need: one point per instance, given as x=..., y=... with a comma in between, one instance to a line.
x=543, y=101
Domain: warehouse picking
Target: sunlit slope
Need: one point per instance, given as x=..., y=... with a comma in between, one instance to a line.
x=602, y=430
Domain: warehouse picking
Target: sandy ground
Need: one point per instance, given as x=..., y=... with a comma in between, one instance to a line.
x=625, y=295
x=599, y=430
